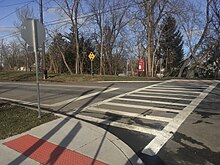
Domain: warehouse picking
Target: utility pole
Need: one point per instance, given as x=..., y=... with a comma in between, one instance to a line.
x=1, y=66
x=43, y=66
x=41, y=11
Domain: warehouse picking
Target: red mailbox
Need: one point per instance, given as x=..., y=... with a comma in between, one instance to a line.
x=141, y=65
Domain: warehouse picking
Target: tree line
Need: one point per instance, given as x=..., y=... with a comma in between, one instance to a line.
x=175, y=38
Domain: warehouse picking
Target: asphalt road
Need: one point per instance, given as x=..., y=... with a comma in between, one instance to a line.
x=170, y=122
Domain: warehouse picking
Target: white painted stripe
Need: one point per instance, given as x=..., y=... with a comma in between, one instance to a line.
x=161, y=97
x=151, y=101
x=181, y=89
x=82, y=97
x=19, y=101
x=143, y=107
x=168, y=94
x=120, y=125
x=62, y=102
x=198, y=81
x=128, y=81
x=185, y=86
x=134, y=115
x=158, y=142
x=55, y=85
x=172, y=91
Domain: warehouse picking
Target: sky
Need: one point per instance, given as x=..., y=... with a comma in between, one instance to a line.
x=8, y=17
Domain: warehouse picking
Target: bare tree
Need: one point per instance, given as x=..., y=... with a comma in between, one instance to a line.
x=114, y=24
x=5, y=56
x=57, y=51
x=98, y=7
x=189, y=24
x=12, y=55
x=22, y=15
x=154, y=11
x=70, y=8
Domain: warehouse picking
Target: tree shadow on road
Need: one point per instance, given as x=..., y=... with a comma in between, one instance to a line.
x=84, y=93
x=66, y=140
x=81, y=108
x=190, y=151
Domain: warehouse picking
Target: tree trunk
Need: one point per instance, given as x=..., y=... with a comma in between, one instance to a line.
x=149, y=59
x=198, y=62
x=101, y=71
x=183, y=67
x=64, y=60
x=77, y=52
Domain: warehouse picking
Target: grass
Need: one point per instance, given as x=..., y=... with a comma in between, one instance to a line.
x=30, y=76
x=68, y=78
x=16, y=119
x=17, y=76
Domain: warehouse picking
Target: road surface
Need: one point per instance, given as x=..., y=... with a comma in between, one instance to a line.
x=164, y=122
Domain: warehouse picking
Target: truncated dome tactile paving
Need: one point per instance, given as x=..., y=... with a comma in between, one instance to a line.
x=48, y=153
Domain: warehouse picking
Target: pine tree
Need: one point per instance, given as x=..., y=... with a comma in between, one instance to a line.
x=171, y=44
x=58, y=49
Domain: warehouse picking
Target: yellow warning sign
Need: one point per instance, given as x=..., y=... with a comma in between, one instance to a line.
x=91, y=56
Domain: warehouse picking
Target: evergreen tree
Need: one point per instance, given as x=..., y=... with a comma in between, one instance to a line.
x=171, y=45
x=85, y=47
x=58, y=53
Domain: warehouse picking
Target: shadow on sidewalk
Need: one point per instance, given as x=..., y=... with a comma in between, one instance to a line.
x=64, y=143
x=66, y=140
x=46, y=137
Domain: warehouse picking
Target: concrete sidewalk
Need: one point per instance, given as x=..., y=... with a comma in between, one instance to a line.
x=75, y=135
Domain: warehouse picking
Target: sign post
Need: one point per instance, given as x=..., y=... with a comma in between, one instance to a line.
x=91, y=68
x=91, y=57
x=33, y=32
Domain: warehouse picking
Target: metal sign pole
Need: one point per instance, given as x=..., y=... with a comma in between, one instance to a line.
x=33, y=32
x=91, y=67
x=35, y=45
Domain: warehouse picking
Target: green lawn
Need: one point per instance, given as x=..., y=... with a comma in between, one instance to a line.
x=17, y=76
x=16, y=119
x=30, y=76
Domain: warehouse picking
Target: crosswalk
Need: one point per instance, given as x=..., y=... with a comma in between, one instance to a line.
x=156, y=110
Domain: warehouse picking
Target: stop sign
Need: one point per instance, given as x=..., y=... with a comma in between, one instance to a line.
x=27, y=32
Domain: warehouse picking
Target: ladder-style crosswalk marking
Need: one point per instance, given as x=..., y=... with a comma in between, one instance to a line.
x=158, y=142
x=167, y=94
x=124, y=94
x=172, y=91
x=151, y=101
x=161, y=97
x=155, y=97
x=180, y=89
x=142, y=107
x=129, y=114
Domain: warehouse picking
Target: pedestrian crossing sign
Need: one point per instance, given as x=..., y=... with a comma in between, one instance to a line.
x=91, y=56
